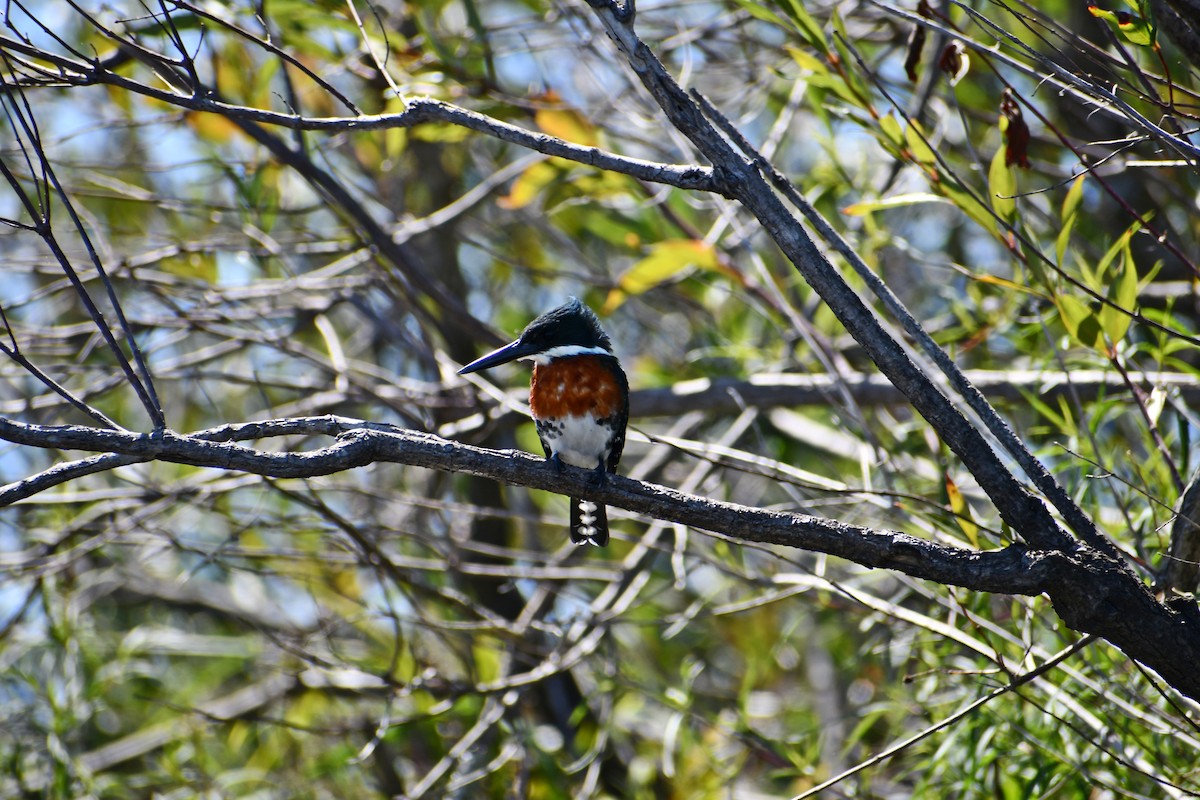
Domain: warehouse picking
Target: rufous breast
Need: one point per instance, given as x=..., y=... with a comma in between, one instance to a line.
x=576, y=386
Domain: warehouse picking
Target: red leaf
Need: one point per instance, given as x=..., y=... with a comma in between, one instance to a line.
x=1016, y=132
x=915, y=42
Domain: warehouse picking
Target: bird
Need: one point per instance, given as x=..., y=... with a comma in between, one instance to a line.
x=578, y=397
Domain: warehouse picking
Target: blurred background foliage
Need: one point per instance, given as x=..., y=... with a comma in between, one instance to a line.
x=177, y=632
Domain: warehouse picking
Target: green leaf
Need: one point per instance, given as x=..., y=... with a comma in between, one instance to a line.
x=807, y=61
x=1092, y=278
x=1081, y=322
x=1119, y=245
x=822, y=77
x=1139, y=29
x=809, y=30
x=968, y=203
x=666, y=260
x=1002, y=185
x=1122, y=294
x=1070, y=208
x=891, y=129
x=195, y=266
x=1127, y=287
x=758, y=11
x=918, y=146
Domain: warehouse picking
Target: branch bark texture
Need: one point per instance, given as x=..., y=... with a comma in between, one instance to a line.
x=1092, y=592
x=1104, y=597
x=1091, y=587
x=743, y=182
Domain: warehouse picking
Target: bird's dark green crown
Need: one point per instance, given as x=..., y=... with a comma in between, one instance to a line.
x=572, y=323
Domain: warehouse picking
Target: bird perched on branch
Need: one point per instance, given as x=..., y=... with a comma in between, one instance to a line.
x=579, y=398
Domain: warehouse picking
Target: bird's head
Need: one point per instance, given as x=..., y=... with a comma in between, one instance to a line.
x=569, y=330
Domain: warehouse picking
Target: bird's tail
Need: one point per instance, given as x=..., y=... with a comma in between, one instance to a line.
x=589, y=523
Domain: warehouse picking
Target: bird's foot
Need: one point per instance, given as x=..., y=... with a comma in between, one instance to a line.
x=555, y=462
x=600, y=475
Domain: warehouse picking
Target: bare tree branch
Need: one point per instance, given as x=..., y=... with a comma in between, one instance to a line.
x=1037, y=472
x=770, y=391
x=418, y=111
x=1181, y=568
x=25, y=128
x=1091, y=592
x=361, y=443
x=744, y=183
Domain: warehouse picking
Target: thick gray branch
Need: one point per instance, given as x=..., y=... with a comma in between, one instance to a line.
x=773, y=390
x=1181, y=570
x=1098, y=593
x=1090, y=591
x=1011, y=571
x=744, y=183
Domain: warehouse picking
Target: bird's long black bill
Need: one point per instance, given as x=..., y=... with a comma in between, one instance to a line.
x=510, y=352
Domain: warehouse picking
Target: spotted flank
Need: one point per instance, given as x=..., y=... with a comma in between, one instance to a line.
x=586, y=442
x=581, y=441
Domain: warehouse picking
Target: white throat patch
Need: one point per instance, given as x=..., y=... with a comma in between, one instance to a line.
x=565, y=350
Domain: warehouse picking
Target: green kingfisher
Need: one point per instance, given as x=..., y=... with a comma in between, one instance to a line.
x=579, y=398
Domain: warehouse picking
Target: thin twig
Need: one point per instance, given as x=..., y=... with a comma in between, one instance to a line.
x=962, y=713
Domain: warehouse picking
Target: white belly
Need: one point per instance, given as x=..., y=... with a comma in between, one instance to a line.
x=578, y=441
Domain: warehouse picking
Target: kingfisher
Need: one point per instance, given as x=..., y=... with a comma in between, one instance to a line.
x=579, y=398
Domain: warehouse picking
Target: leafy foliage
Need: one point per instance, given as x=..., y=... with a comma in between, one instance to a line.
x=394, y=631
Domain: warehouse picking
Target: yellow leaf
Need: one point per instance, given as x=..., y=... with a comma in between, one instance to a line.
x=806, y=60
x=896, y=201
x=918, y=147
x=890, y=127
x=567, y=124
x=211, y=127
x=528, y=185
x=962, y=511
x=1004, y=282
x=665, y=260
